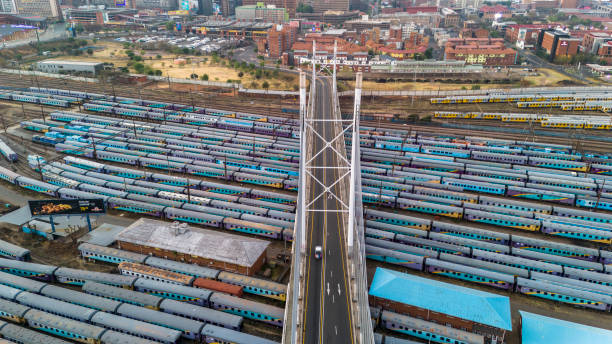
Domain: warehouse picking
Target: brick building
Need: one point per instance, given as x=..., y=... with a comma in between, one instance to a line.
x=280, y=39
x=558, y=43
x=451, y=18
x=454, y=306
x=605, y=51
x=594, y=39
x=568, y=4
x=195, y=245
x=489, y=12
x=528, y=33
x=486, y=51
x=473, y=33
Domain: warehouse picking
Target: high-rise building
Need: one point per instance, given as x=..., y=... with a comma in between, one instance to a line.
x=43, y=8
x=228, y=7
x=205, y=7
x=280, y=39
x=321, y=6
x=289, y=5
x=8, y=6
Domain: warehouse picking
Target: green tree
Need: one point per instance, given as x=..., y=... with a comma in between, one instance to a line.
x=158, y=72
x=240, y=74
x=170, y=25
x=265, y=85
x=158, y=56
x=304, y=8
x=138, y=67
x=90, y=51
x=475, y=87
x=193, y=76
x=429, y=53
x=204, y=77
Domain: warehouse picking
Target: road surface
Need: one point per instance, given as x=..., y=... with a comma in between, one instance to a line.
x=327, y=308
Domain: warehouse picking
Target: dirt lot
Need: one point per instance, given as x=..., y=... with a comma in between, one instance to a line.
x=548, y=77
x=183, y=66
x=545, y=77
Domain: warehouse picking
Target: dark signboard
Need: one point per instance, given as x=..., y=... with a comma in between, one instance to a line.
x=66, y=207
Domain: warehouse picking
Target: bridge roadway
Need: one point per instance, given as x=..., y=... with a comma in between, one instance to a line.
x=327, y=310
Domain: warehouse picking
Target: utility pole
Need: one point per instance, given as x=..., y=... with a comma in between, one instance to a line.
x=42, y=114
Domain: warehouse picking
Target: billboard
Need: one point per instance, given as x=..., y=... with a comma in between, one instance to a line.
x=66, y=207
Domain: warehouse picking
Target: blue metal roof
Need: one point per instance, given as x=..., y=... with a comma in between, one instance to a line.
x=537, y=329
x=465, y=303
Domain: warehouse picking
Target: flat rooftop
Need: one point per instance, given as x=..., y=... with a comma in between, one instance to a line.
x=465, y=303
x=537, y=329
x=67, y=63
x=223, y=247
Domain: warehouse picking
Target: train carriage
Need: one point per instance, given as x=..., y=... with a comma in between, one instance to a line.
x=122, y=295
x=189, y=329
x=248, y=309
x=466, y=273
x=64, y=327
x=429, y=331
x=255, y=285
x=170, y=291
x=31, y=270
x=216, y=334
x=501, y=220
x=79, y=277
x=564, y=294
x=397, y=219
x=80, y=299
x=144, y=271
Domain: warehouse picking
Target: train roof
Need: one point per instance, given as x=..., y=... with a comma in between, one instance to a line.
x=65, y=324
x=8, y=293
x=122, y=294
x=537, y=329
x=19, y=265
x=27, y=336
x=100, y=277
x=465, y=303
x=130, y=325
x=122, y=338
x=79, y=298
x=13, y=249
x=21, y=282
x=564, y=290
x=180, y=267
x=194, y=311
x=161, y=318
x=231, y=336
x=49, y=304
x=442, y=330
x=252, y=306
x=13, y=308
x=251, y=281
x=109, y=251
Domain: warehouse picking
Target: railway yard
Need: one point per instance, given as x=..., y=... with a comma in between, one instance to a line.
x=527, y=216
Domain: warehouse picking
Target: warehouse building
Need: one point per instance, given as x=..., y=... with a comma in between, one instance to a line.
x=194, y=245
x=69, y=67
x=537, y=329
x=462, y=308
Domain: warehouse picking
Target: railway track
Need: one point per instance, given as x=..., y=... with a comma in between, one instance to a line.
x=221, y=101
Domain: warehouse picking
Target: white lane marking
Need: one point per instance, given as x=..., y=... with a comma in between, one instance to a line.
x=336, y=329
x=333, y=298
x=339, y=293
x=328, y=288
